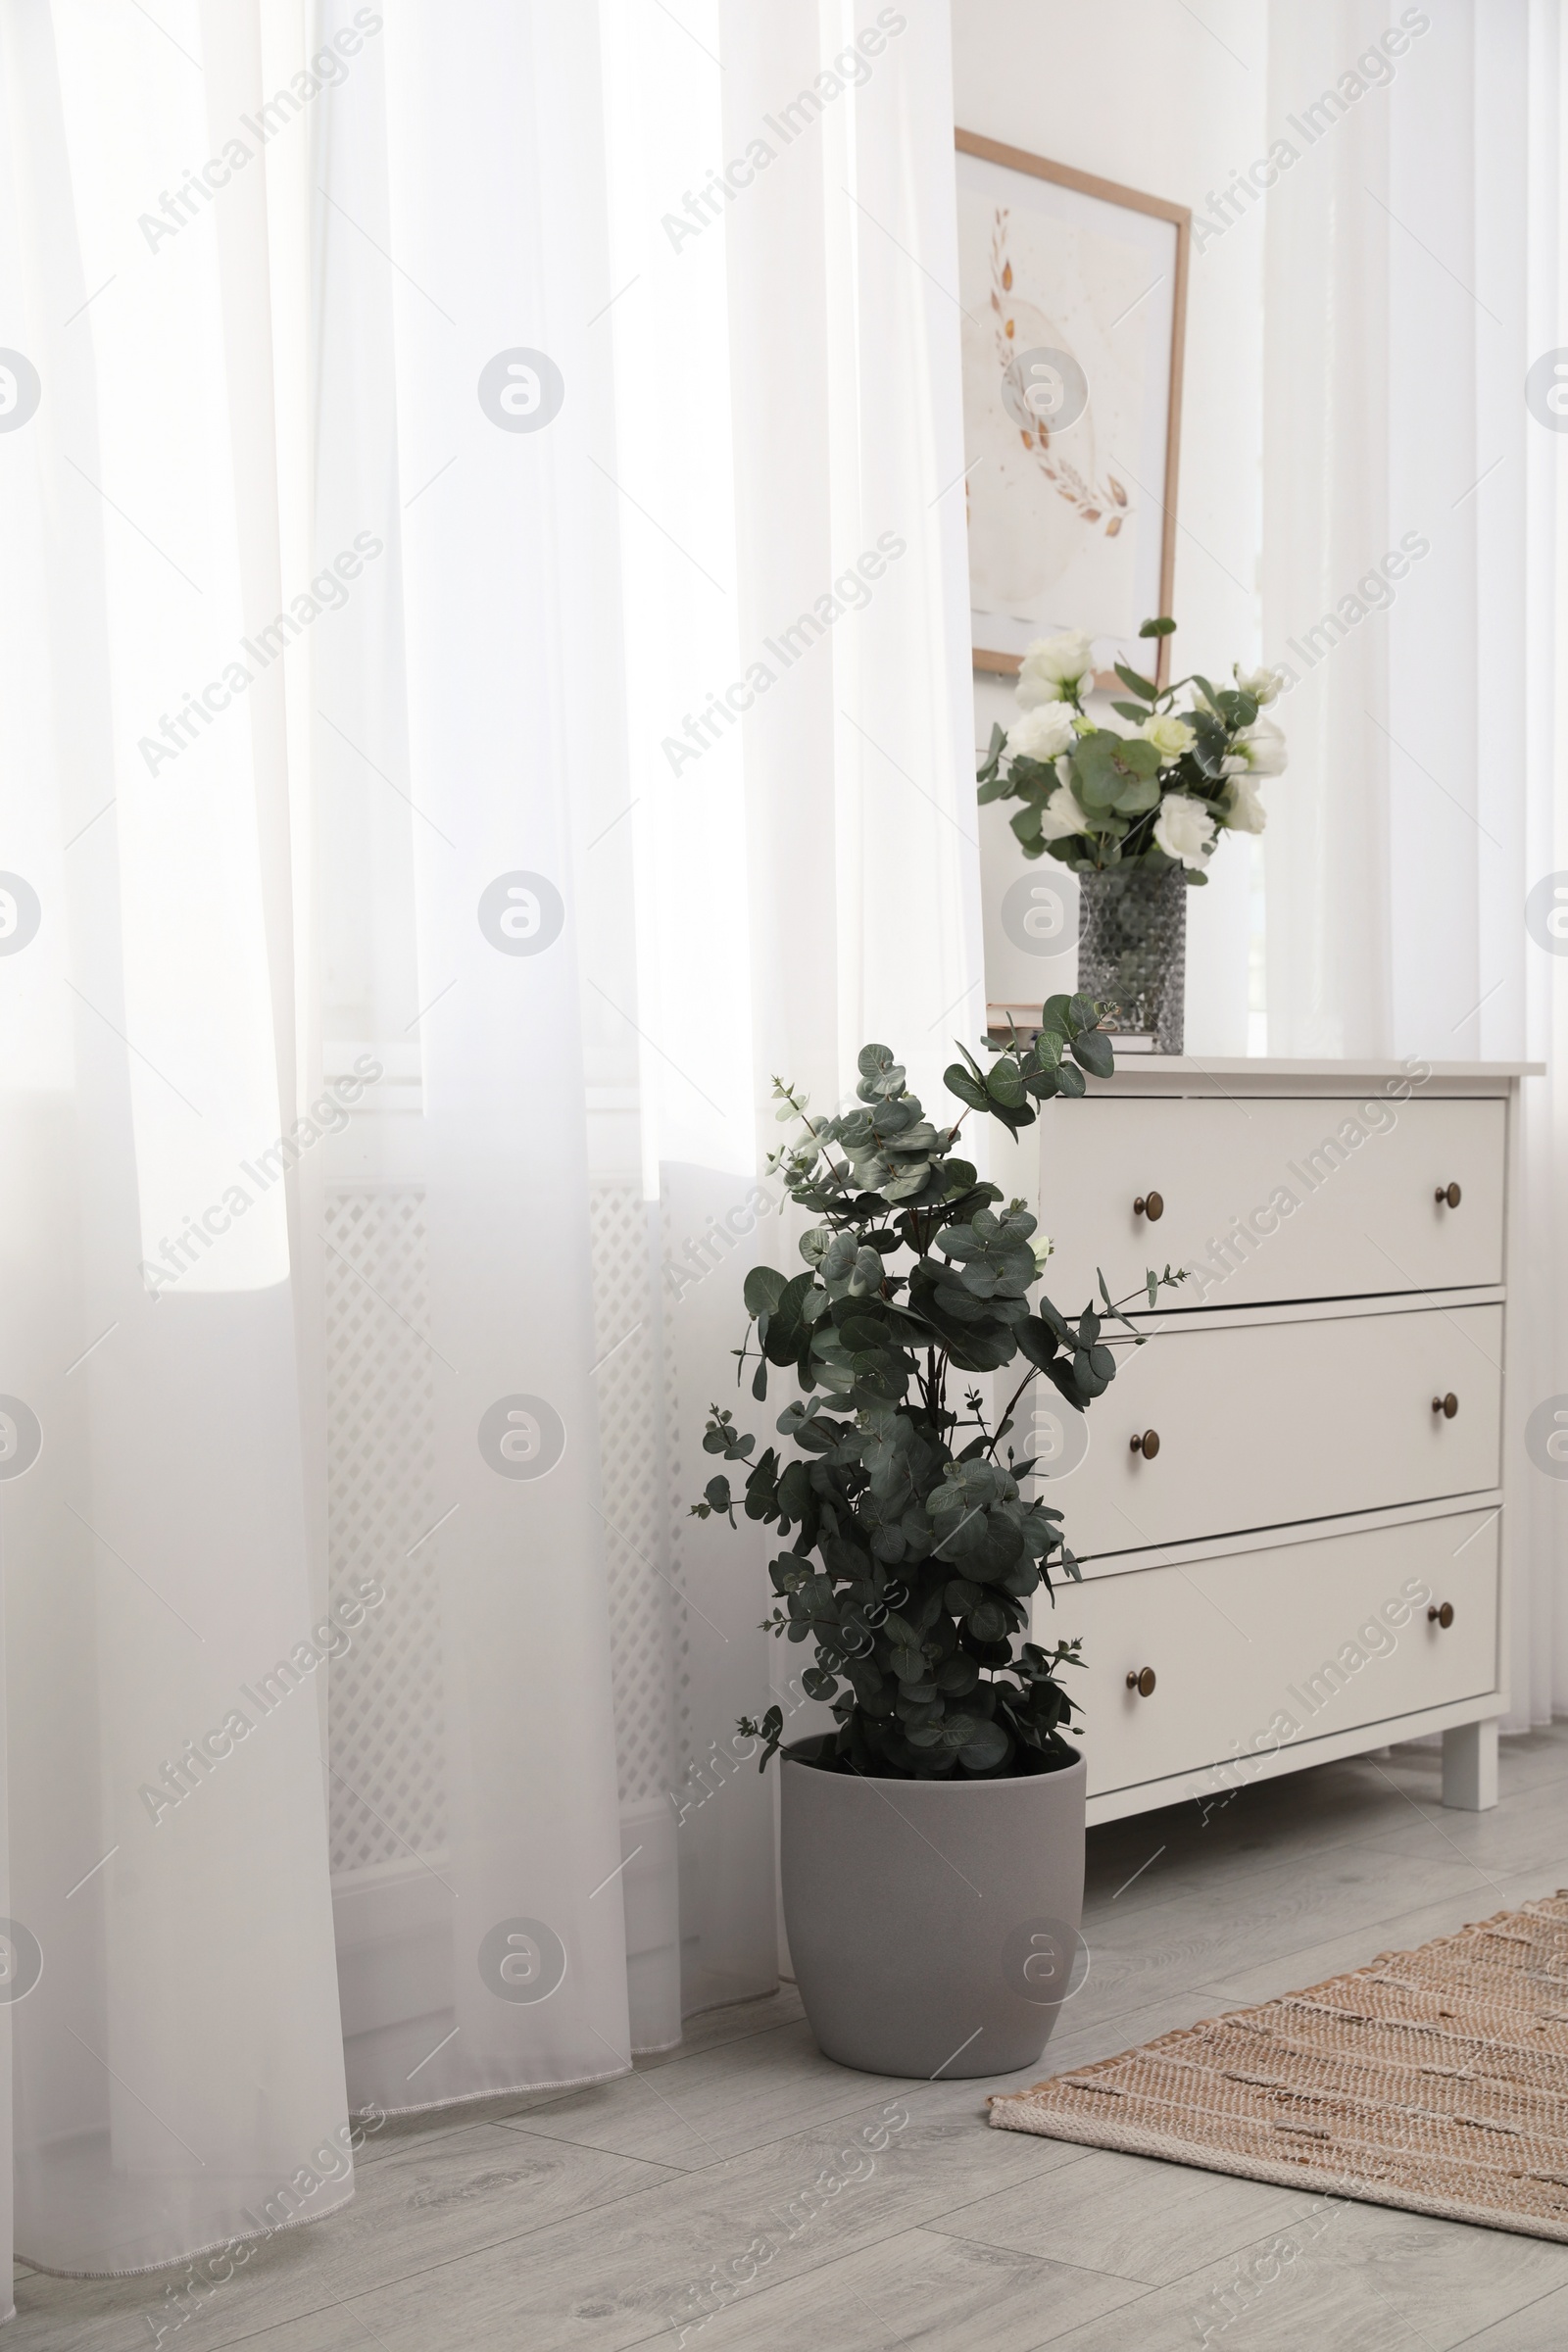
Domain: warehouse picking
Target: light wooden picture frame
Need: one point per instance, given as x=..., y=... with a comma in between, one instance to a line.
x=1074, y=299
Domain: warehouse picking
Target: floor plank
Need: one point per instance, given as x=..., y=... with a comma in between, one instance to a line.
x=430, y=2205
x=1130, y=2214
x=1540, y=2326
x=965, y=2294
x=667, y=2260
x=1359, y=2277
x=743, y=2188
x=1398, y=1932
x=714, y=2105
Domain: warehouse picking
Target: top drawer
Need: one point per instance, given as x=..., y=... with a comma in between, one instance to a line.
x=1299, y=1196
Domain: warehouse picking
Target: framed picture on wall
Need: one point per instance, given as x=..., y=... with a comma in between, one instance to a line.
x=1074, y=299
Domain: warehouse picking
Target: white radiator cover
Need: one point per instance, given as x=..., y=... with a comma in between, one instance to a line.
x=386, y=1710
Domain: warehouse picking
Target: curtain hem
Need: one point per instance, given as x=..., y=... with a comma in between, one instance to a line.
x=174, y=2262
x=511, y=2090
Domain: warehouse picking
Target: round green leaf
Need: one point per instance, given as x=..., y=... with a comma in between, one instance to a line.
x=987, y=1748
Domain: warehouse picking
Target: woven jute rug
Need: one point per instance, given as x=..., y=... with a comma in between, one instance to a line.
x=1435, y=2080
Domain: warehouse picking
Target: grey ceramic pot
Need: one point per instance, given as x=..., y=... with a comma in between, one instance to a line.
x=933, y=1925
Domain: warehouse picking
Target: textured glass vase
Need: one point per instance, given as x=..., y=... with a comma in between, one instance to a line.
x=1132, y=949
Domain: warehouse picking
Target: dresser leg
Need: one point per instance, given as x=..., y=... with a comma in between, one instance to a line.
x=1470, y=1766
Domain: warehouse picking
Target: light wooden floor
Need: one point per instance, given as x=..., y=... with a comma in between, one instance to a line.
x=588, y=2220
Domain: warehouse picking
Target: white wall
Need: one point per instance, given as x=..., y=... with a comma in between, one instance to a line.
x=1141, y=91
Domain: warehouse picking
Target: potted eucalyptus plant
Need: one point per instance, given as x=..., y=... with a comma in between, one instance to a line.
x=933, y=1844
x=1136, y=815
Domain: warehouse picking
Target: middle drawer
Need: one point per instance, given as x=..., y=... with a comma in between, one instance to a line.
x=1270, y=1423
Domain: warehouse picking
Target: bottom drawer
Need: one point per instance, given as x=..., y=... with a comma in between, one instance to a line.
x=1271, y=1648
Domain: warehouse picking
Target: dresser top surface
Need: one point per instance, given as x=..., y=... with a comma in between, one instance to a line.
x=1262, y=1066
x=1275, y=1071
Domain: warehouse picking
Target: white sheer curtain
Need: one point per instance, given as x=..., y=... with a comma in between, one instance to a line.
x=410, y=880
x=1412, y=539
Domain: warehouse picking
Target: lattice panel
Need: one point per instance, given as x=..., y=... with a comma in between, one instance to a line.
x=386, y=1696
x=679, y=1487
x=625, y=1314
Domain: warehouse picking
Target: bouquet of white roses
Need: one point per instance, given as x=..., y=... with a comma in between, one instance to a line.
x=1159, y=796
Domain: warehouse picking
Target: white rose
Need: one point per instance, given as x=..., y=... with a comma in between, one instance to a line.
x=1244, y=810
x=1170, y=736
x=1052, y=663
x=1258, y=751
x=1263, y=685
x=1042, y=732
x=1184, y=829
x=1061, y=816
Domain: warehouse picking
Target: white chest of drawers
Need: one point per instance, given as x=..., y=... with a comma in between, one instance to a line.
x=1303, y=1554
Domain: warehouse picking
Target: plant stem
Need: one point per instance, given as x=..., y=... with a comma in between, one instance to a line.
x=1008, y=1413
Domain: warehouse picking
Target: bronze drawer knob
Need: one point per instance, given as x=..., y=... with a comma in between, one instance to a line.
x=1448, y=1405
x=1451, y=1193
x=1141, y=1680
x=1146, y=1443
x=1150, y=1205
x=1443, y=1616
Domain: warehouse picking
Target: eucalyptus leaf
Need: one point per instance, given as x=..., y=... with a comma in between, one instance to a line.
x=1004, y=1083
x=762, y=1290
x=1138, y=755
x=987, y=1747
x=1093, y=1052
x=1098, y=786
x=971, y=1091
x=1138, y=795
